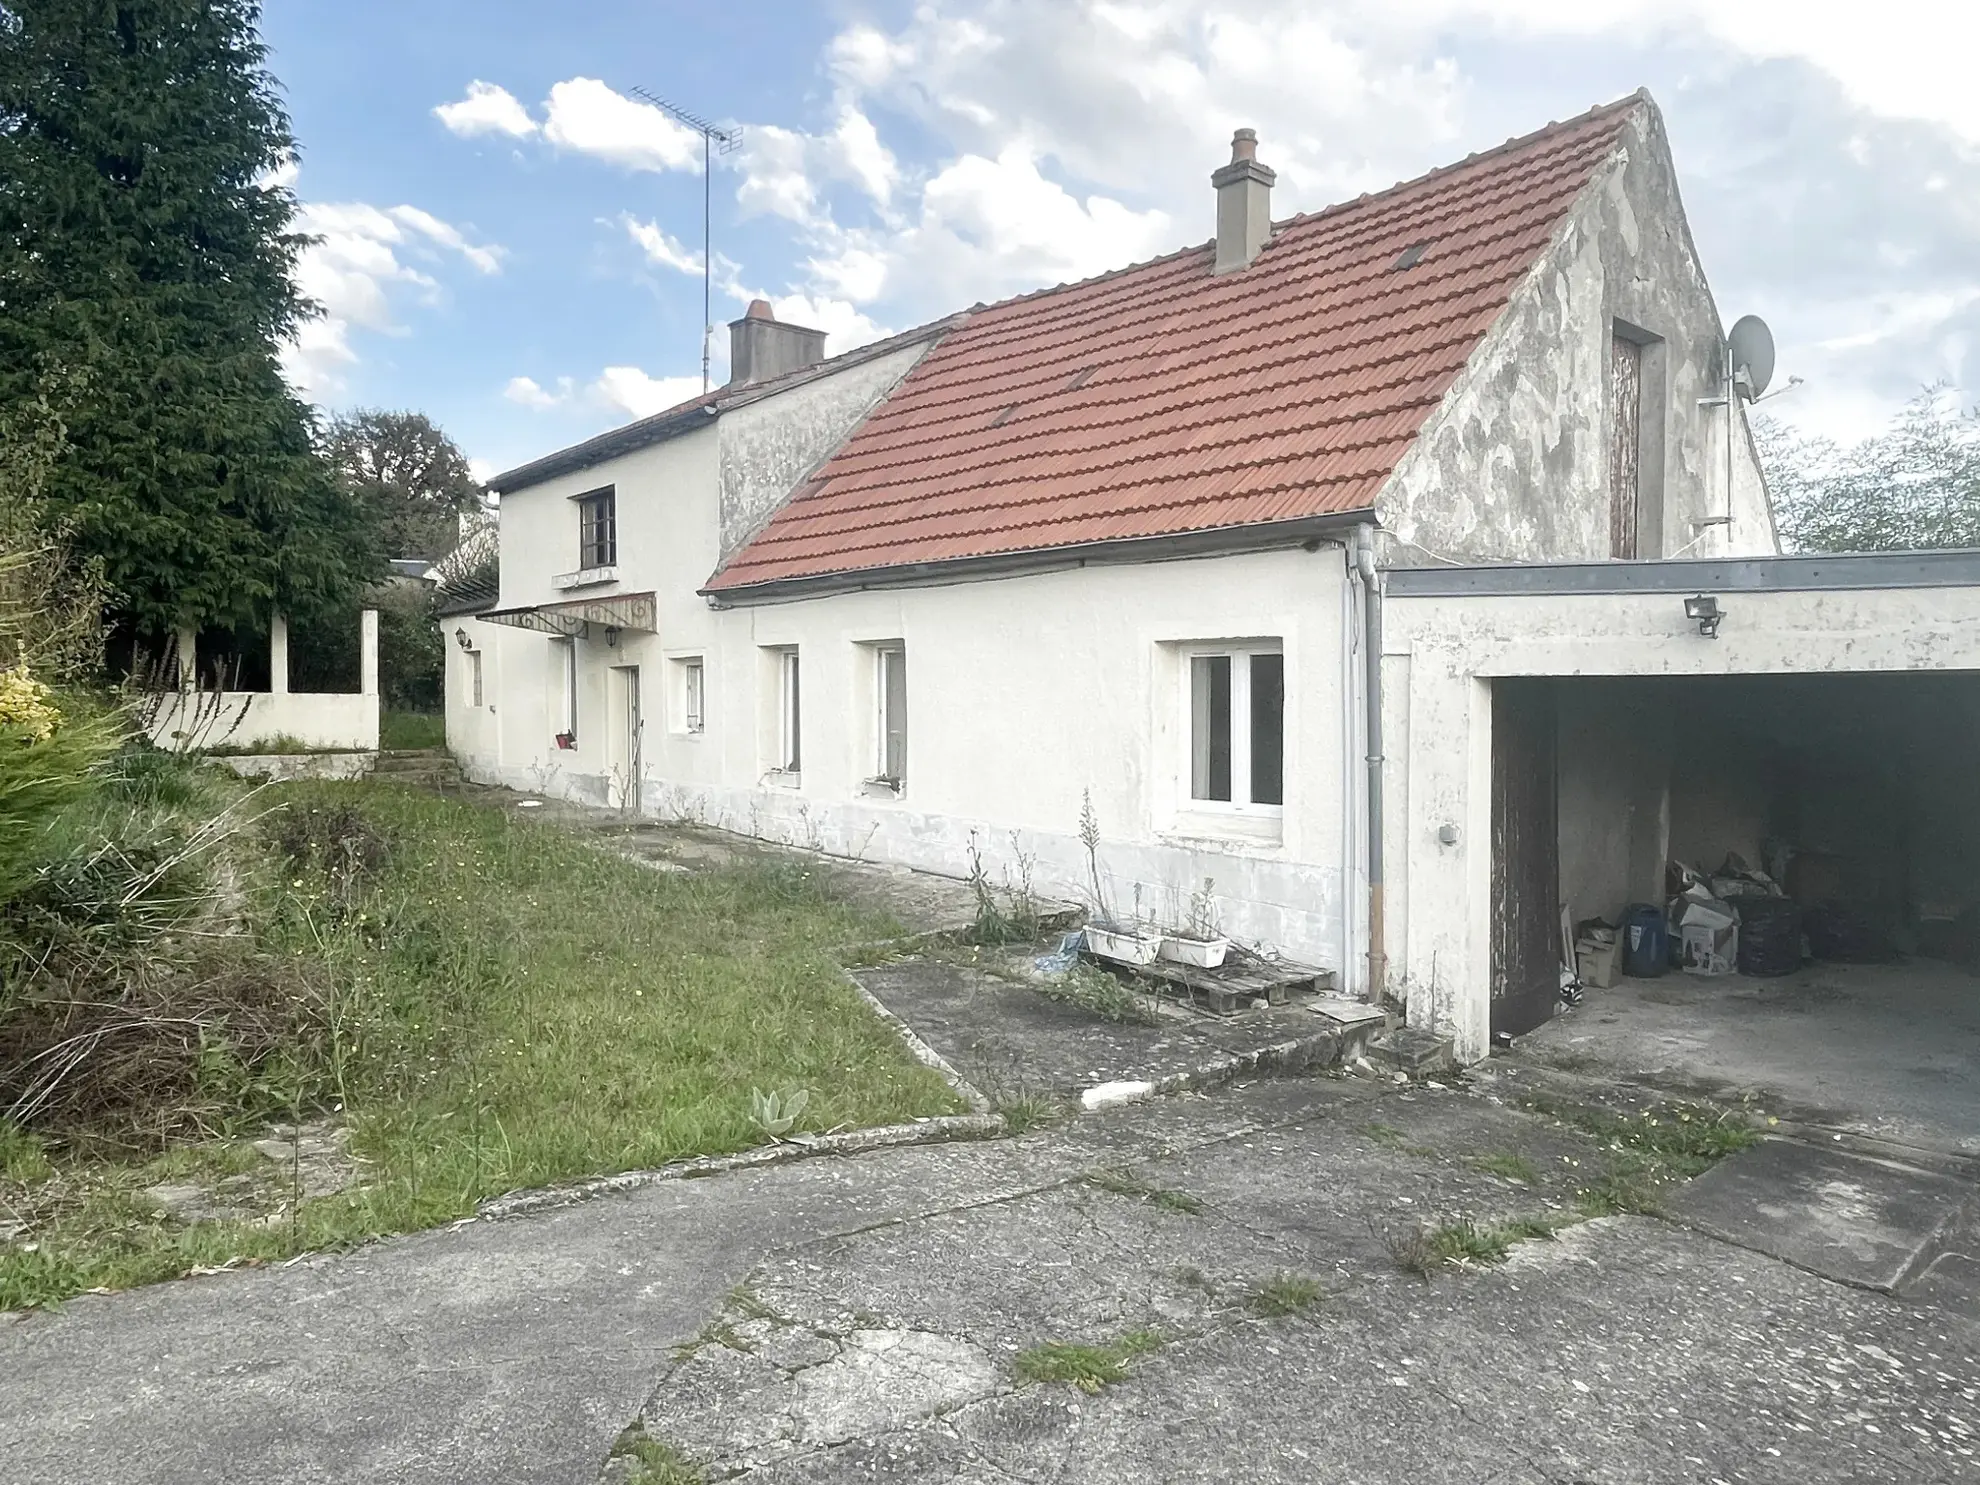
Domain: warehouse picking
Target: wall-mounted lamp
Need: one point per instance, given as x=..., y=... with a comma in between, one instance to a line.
x=1704, y=611
x=461, y=639
x=611, y=638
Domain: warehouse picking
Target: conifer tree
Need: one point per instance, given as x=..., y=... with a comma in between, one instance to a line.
x=145, y=257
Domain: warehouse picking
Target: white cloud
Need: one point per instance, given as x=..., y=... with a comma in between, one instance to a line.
x=1902, y=58
x=525, y=391
x=487, y=109
x=282, y=176
x=584, y=115
x=633, y=391
x=660, y=249
x=845, y=327
x=362, y=255
x=315, y=360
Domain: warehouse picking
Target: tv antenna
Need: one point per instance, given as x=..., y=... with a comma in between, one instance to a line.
x=714, y=140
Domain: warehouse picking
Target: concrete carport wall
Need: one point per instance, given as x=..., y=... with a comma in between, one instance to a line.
x=1455, y=634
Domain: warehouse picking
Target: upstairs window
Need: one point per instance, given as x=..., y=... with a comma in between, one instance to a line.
x=598, y=529
x=1625, y=443
x=1237, y=720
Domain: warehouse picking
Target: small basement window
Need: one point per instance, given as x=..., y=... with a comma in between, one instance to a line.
x=598, y=528
x=1237, y=709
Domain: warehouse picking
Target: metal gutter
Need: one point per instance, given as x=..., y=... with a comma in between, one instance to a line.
x=1217, y=542
x=1367, y=565
x=1953, y=568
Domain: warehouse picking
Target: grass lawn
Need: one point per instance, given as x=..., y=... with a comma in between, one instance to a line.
x=398, y=730
x=508, y=1007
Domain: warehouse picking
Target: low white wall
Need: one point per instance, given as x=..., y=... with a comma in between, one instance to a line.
x=282, y=767
x=1441, y=655
x=241, y=719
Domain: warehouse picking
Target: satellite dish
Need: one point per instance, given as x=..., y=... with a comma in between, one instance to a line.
x=1750, y=347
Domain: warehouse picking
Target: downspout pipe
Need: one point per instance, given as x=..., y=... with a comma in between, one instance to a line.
x=1371, y=644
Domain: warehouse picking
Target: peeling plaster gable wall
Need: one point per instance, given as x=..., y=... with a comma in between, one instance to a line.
x=1514, y=466
x=769, y=447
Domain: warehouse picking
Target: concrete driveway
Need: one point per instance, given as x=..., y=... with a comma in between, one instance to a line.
x=1629, y=1349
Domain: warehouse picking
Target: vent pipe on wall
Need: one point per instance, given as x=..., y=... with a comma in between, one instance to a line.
x=1371, y=641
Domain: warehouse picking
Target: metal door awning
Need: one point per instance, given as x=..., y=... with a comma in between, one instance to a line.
x=574, y=617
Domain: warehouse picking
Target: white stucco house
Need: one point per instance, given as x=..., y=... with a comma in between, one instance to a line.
x=1149, y=539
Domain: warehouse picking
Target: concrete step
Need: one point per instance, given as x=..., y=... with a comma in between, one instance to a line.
x=1412, y=1050
x=429, y=768
x=1356, y=1022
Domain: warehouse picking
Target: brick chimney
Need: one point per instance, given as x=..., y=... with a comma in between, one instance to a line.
x=1244, y=204
x=760, y=347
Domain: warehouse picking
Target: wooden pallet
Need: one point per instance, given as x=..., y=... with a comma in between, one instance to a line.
x=1233, y=986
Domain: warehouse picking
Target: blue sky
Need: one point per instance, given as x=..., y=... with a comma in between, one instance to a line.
x=510, y=240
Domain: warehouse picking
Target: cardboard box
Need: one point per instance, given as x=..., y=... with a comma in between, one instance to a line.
x=1708, y=937
x=1596, y=964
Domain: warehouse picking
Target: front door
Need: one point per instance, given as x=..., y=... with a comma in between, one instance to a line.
x=626, y=764
x=1526, y=932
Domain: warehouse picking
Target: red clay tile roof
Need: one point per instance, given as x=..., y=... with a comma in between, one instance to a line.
x=1162, y=399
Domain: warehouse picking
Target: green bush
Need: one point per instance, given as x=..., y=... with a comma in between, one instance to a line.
x=46, y=767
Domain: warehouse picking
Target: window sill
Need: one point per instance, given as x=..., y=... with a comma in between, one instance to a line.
x=790, y=780
x=1228, y=827
x=882, y=789
x=584, y=577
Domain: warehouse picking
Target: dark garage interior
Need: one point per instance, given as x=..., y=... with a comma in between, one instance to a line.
x=1849, y=802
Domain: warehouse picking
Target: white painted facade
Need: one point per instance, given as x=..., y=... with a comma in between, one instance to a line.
x=1028, y=690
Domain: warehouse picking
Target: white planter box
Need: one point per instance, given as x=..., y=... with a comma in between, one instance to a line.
x=1123, y=945
x=1204, y=953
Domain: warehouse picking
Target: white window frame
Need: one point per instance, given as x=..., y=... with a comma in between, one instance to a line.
x=881, y=773
x=475, y=693
x=694, y=695
x=790, y=712
x=1240, y=802
x=567, y=661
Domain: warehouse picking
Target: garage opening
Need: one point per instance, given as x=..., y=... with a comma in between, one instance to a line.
x=1813, y=844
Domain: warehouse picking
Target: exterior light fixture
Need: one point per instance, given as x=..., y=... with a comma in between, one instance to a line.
x=611, y=637
x=461, y=639
x=1704, y=611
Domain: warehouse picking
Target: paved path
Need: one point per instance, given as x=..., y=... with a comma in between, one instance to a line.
x=510, y=1351
x=515, y=1351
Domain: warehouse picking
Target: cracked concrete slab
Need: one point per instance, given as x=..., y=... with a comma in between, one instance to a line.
x=1011, y=1041
x=511, y=1350
x=1627, y=1350
x=1862, y=1221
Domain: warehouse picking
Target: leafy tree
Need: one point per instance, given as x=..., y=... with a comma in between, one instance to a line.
x=1917, y=484
x=412, y=650
x=144, y=249
x=412, y=478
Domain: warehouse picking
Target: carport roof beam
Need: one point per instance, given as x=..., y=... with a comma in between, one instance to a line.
x=572, y=619
x=1956, y=568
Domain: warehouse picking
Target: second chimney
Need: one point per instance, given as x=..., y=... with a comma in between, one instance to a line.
x=761, y=347
x=1244, y=203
